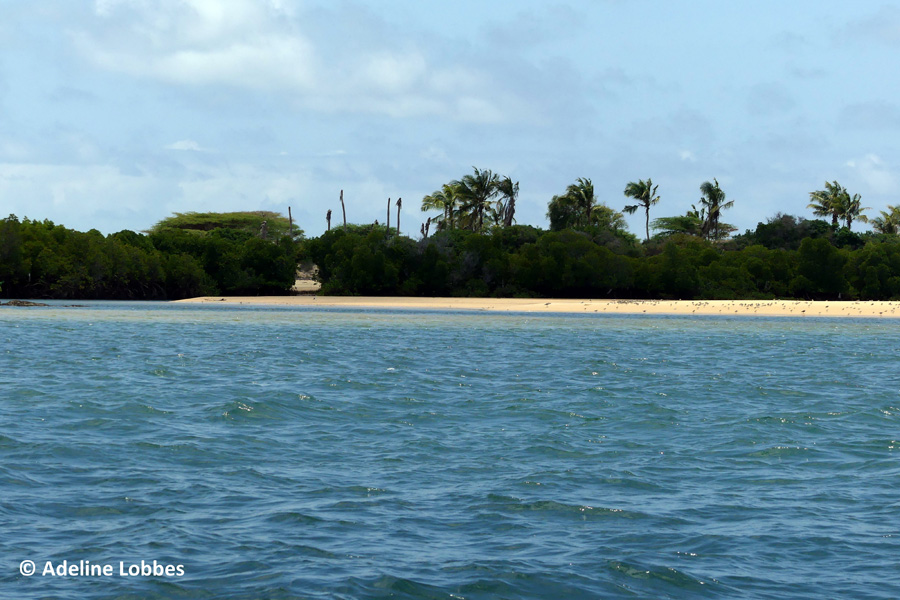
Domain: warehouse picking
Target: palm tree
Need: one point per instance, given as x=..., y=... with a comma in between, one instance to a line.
x=645, y=194
x=713, y=199
x=476, y=192
x=888, y=222
x=582, y=194
x=851, y=208
x=509, y=191
x=827, y=202
x=578, y=208
x=447, y=200
x=835, y=201
x=572, y=208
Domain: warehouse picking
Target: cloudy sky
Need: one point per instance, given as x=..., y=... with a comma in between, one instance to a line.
x=117, y=113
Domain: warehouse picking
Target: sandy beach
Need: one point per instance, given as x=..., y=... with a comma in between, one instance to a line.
x=763, y=308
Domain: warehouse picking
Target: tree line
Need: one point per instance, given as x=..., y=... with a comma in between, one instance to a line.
x=786, y=257
x=181, y=257
x=475, y=249
x=465, y=201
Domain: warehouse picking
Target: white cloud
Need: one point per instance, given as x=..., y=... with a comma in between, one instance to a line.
x=14, y=150
x=80, y=196
x=266, y=46
x=872, y=170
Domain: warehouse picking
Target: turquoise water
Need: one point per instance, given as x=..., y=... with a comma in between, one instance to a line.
x=297, y=453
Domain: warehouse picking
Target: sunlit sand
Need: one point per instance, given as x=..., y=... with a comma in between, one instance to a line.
x=763, y=308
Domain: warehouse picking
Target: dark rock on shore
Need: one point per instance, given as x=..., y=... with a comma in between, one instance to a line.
x=22, y=303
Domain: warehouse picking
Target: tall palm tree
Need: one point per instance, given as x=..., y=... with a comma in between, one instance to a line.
x=888, y=222
x=477, y=192
x=713, y=199
x=582, y=193
x=644, y=192
x=509, y=191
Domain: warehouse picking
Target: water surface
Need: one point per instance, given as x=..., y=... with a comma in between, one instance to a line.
x=303, y=453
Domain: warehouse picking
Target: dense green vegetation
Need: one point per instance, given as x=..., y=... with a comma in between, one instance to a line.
x=476, y=250
x=784, y=258
x=588, y=252
x=267, y=224
x=39, y=259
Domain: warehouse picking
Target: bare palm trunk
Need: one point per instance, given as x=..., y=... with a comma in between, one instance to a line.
x=399, y=204
x=510, y=212
x=328, y=219
x=343, y=208
x=647, y=223
x=389, y=215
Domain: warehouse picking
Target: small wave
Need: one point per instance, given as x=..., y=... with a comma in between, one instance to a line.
x=583, y=511
x=669, y=575
x=781, y=452
x=293, y=517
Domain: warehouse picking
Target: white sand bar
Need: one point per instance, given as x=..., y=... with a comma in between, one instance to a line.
x=764, y=308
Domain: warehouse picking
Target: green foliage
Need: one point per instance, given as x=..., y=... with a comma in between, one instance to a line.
x=475, y=202
x=249, y=222
x=44, y=260
x=688, y=224
x=578, y=208
x=836, y=202
x=820, y=270
x=888, y=222
x=784, y=232
x=874, y=271
x=526, y=261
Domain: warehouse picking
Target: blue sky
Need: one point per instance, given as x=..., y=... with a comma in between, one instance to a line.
x=117, y=113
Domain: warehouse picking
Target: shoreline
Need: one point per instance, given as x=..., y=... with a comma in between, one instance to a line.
x=761, y=308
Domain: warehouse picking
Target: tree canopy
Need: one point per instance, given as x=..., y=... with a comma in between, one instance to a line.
x=464, y=203
x=251, y=222
x=836, y=202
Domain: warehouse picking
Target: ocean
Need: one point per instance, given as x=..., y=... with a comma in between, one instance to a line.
x=152, y=450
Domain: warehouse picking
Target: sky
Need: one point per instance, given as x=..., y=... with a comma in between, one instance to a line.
x=117, y=113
